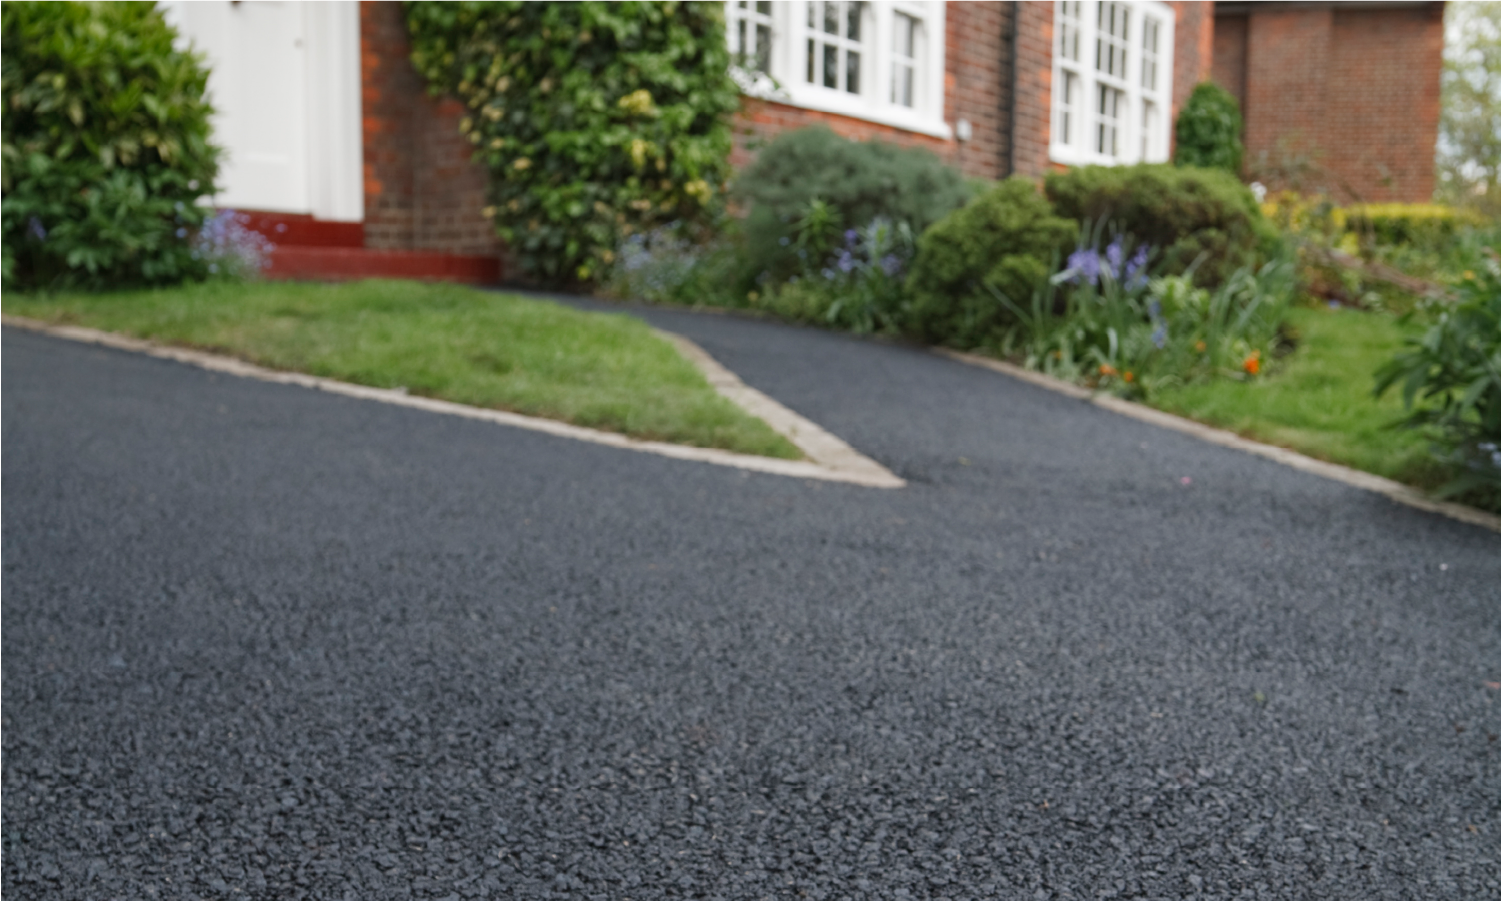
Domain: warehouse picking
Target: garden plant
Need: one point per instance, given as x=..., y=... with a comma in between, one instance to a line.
x=596, y=121
x=106, y=148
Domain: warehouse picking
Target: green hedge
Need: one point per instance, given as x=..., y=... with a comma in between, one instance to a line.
x=1184, y=212
x=596, y=120
x=1416, y=224
x=106, y=147
x=1002, y=241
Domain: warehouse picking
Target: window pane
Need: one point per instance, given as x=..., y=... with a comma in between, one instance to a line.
x=812, y=61
x=903, y=42
x=763, y=48
x=763, y=7
x=901, y=85
x=740, y=45
x=830, y=66
x=831, y=18
x=852, y=72
x=856, y=12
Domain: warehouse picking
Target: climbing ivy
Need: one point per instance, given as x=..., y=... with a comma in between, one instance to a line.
x=595, y=120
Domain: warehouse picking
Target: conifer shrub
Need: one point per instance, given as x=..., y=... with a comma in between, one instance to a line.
x=106, y=147
x=1202, y=218
x=1003, y=242
x=1208, y=130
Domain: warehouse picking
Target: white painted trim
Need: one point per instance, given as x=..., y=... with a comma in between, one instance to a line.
x=831, y=469
x=335, y=139
x=787, y=81
x=1080, y=152
x=1355, y=478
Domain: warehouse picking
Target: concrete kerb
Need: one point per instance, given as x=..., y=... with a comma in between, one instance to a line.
x=1395, y=490
x=826, y=461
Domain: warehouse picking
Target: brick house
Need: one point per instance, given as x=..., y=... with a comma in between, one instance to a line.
x=1339, y=98
x=354, y=170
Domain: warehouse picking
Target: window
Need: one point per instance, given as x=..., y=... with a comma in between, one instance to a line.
x=834, y=44
x=1112, y=67
x=879, y=60
x=750, y=34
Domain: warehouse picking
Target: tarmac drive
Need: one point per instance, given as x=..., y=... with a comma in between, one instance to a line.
x=263, y=642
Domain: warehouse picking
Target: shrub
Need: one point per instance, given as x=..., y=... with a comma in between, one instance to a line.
x=106, y=146
x=860, y=181
x=858, y=290
x=1000, y=243
x=596, y=120
x=1423, y=225
x=1187, y=213
x=1456, y=367
x=1208, y=130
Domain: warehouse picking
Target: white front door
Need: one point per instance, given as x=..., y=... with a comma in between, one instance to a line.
x=284, y=81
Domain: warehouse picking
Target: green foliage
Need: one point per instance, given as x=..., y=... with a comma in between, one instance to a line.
x=596, y=120
x=859, y=181
x=1469, y=149
x=1456, y=368
x=1208, y=130
x=106, y=146
x=1424, y=225
x=860, y=290
x=997, y=245
x=1135, y=337
x=1186, y=213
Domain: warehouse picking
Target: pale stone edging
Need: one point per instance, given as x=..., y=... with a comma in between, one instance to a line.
x=1395, y=490
x=823, y=465
x=821, y=447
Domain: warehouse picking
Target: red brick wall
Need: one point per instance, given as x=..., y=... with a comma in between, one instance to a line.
x=1383, y=107
x=1344, y=101
x=976, y=62
x=422, y=192
x=1193, y=50
x=1230, y=55
x=1034, y=89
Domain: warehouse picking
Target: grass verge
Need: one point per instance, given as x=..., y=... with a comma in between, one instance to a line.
x=1319, y=400
x=444, y=341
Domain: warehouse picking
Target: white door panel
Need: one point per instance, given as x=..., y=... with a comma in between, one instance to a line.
x=284, y=80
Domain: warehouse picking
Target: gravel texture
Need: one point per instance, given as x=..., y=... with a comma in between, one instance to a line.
x=261, y=642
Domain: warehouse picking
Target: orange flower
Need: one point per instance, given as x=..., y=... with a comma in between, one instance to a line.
x=1130, y=377
x=1200, y=346
x=1107, y=370
x=1252, y=365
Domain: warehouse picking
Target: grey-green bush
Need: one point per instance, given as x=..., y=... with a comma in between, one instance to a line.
x=1208, y=130
x=1184, y=213
x=860, y=180
x=1004, y=240
x=106, y=147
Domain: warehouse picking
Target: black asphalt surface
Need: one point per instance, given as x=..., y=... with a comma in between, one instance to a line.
x=261, y=642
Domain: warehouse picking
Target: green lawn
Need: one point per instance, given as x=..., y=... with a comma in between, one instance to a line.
x=444, y=341
x=1318, y=400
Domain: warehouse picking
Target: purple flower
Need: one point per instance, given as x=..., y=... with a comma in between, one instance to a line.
x=1085, y=265
x=1159, y=336
x=35, y=228
x=1154, y=308
x=891, y=264
x=1136, y=268
x=1115, y=255
x=846, y=261
x=850, y=237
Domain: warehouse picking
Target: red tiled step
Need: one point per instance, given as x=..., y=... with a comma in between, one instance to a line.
x=347, y=263
x=305, y=231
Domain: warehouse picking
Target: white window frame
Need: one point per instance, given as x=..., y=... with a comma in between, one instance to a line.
x=787, y=81
x=1137, y=139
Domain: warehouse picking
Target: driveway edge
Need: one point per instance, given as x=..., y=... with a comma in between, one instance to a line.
x=802, y=469
x=1402, y=494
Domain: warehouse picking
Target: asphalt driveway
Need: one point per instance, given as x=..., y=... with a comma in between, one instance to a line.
x=262, y=642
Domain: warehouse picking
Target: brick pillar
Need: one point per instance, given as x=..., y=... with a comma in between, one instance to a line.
x=977, y=63
x=1034, y=89
x=388, y=88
